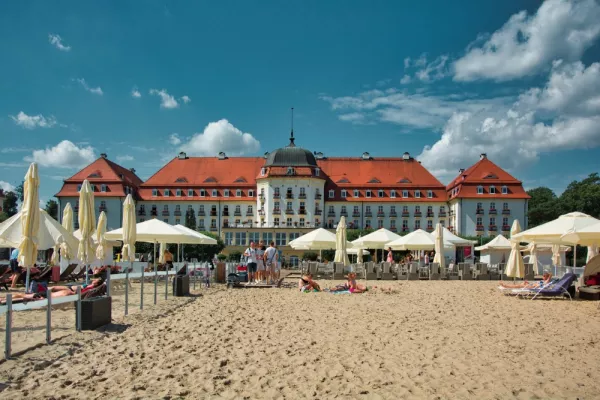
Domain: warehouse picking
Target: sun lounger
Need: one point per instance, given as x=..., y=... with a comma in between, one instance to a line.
x=66, y=275
x=452, y=272
x=386, y=272
x=558, y=289
x=481, y=272
x=413, y=272
x=464, y=272
x=434, y=272
x=338, y=271
x=370, y=273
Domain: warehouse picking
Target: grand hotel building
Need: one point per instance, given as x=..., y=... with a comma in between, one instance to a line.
x=292, y=190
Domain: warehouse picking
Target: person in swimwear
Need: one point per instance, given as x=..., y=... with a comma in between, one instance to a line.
x=56, y=291
x=546, y=279
x=306, y=284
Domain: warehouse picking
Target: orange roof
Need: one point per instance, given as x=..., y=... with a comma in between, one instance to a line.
x=102, y=172
x=485, y=174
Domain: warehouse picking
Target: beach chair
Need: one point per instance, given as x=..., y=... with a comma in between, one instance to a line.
x=386, y=273
x=401, y=271
x=338, y=271
x=556, y=290
x=464, y=272
x=452, y=272
x=494, y=273
x=423, y=271
x=370, y=273
x=481, y=272
x=434, y=271
x=413, y=272
x=360, y=270
x=67, y=273
x=529, y=272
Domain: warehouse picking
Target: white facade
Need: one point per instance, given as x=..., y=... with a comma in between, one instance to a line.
x=112, y=206
x=473, y=217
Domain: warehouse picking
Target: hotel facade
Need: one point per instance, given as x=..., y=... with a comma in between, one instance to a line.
x=291, y=191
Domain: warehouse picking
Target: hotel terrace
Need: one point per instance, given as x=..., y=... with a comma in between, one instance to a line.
x=291, y=191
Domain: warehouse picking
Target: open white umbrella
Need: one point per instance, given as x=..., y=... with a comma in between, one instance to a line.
x=129, y=230
x=416, y=240
x=376, y=240
x=100, y=231
x=155, y=230
x=515, y=268
x=30, y=220
x=497, y=243
x=439, y=247
x=559, y=231
x=87, y=223
x=203, y=238
x=341, y=256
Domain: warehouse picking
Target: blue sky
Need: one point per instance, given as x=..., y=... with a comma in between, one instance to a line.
x=442, y=80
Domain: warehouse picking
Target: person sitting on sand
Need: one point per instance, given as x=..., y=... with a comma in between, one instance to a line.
x=353, y=286
x=306, y=284
x=547, y=278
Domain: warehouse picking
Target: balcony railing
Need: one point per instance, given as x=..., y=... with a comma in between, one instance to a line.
x=289, y=196
x=380, y=214
x=318, y=212
x=493, y=211
x=405, y=214
x=302, y=211
x=237, y=213
x=506, y=211
x=201, y=214
x=276, y=196
x=393, y=229
x=276, y=211
x=249, y=213
x=418, y=214
x=430, y=215
x=302, y=196
x=479, y=228
x=417, y=227
x=165, y=213
x=289, y=211
x=318, y=196
x=213, y=228
x=368, y=214
x=213, y=213
x=226, y=213
x=442, y=214
x=506, y=228
x=153, y=213
x=177, y=213
x=343, y=213
x=405, y=229
x=393, y=214
x=492, y=228
x=429, y=229
x=331, y=214
x=479, y=211
x=141, y=212
x=356, y=214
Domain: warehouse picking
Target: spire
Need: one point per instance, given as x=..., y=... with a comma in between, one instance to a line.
x=292, y=144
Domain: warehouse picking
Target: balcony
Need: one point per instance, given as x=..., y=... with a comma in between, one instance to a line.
x=165, y=213
x=249, y=213
x=302, y=211
x=331, y=214
x=289, y=196
x=289, y=211
x=479, y=228
x=393, y=214
x=442, y=214
x=318, y=212
x=237, y=214
x=418, y=214
x=506, y=211
x=405, y=214
x=493, y=211
x=492, y=228
x=213, y=213
x=417, y=227
x=393, y=229
x=343, y=213
x=177, y=213
x=225, y=225
x=380, y=214
x=226, y=213
x=153, y=213
x=276, y=196
x=318, y=196
x=505, y=228
x=201, y=213
x=142, y=211
x=213, y=228
x=479, y=211
x=368, y=214
x=356, y=214
x=302, y=196
x=276, y=211
x=429, y=229
x=405, y=229
x=430, y=214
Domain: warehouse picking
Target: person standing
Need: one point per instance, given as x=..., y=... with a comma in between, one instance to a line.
x=260, y=262
x=250, y=255
x=426, y=258
x=168, y=259
x=270, y=258
x=390, y=256
x=14, y=260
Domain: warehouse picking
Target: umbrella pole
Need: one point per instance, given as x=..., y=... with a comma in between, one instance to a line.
x=155, y=272
x=574, y=257
x=27, y=280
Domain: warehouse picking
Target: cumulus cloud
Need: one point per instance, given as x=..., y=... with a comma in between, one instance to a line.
x=433, y=71
x=64, y=155
x=221, y=136
x=124, y=158
x=355, y=118
x=185, y=99
x=174, y=139
x=84, y=84
x=405, y=79
x=526, y=44
x=135, y=93
x=57, y=42
x=6, y=187
x=166, y=100
x=33, y=121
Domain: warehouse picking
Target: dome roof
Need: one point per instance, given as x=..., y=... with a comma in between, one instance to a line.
x=291, y=156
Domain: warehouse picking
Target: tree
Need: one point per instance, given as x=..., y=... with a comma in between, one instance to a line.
x=353, y=234
x=235, y=256
x=190, y=219
x=582, y=196
x=10, y=203
x=543, y=206
x=205, y=252
x=52, y=209
x=19, y=190
x=310, y=256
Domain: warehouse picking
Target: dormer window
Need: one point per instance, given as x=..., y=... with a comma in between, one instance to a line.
x=250, y=193
x=154, y=192
x=214, y=193
x=190, y=192
x=263, y=171
x=492, y=189
x=344, y=193
x=103, y=188
x=317, y=171
x=290, y=171
x=393, y=194
x=226, y=193
x=356, y=193
x=429, y=194
x=479, y=189
x=504, y=190
x=380, y=193
x=417, y=194
x=331, y=194
x=178, y=192
x=202, y=193
x=238, y=193
x=167, y=192
x=405, y=194
x=368, y=194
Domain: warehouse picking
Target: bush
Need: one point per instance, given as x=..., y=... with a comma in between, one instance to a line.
x=328, y=255
x=221, y=257
x=235, y=256
x=310, y=256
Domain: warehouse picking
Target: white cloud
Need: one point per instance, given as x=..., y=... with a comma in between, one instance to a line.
x=563, y=115
x=84, y=84
x=525, y=45
x=33, y=121
x=56, y=41
x=6, y=187
x=355, y=118
x=64, y=155
x=174, y=139
x=185, y=99
x=124, y=158
x=405, y=79
x=166, y=100
x=135, y=93
x=407, y=62
x=221, y=136
x=435, y=70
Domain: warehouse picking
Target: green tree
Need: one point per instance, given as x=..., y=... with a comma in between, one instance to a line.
x=52, y=209
x=353, y=234
x=20, y=191
x=583, y=196
x=10, y=204
x=235, y=256
x=204, y=252
x=3, y=216
x=310, y=256
x=190, y=219
x=543, y=206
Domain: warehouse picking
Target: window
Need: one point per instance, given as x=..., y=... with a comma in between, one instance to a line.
x=442, y=209
x=355, y=211
x=504, y=221
x=226, y=210
x=263, y=171
x=505, y=206
x=492, y=189
x=379, y=224
x=190, y=192
x=393, y=210
x=276, y=221
x=290, y=193
x=380, y=193
x=250, y=193
x=267, y=237
x=214, y=193
x=356, y=193
x=344, y=210
x=417, y=194
x=240, y=238
x=331, y=210
x=393, y=194
x=368, y=209
x=103, y=188
x=418, y=224
x=154, y=192
x=368, y=224
x=228, y=238
x=238, y=209
x=429, y=224
x=404, y=224
x=317, y=171
x=276, y=205
x=93, y=187
x=213, y=223
x=492, y=206
x=479, y=207
x=293, y=235
x=479, y=189
x=417, y=209
x=331, y=194
x=504, y=190
x=368, y=194
x=178, y=192
x=302, y=221
x=289, y=205
x=177, y=208
x=302, y=192
x=254, y=237
x=166, y=208
x=238, y=193
x=276, y=192
x=405, y=194
x=288, y=222
x=202, y=193
x=250, y=210
x=226, y=193
x=379, y=209
x=153, y=211
x=177, y=221
x=493, y=221
x=393, y=224
x=479, y=221
x=344, y=193
x=103, y=205
x=404, y=209
x=167, y=192
x=290, y=171
x=429, y=194
x=201, y=208
x=225, y=223
x=201, y=223
x=355, y=224
x=429, y=210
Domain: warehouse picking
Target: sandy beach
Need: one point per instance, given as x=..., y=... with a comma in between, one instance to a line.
x=433, y=340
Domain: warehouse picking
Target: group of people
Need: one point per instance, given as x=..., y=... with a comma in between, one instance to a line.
x=426, y=258
x=306, y=284
x=262, y=263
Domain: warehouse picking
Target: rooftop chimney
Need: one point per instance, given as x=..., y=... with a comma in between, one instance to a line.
x=182, y=156
x=132, y=170
x=222, y=155
x=406, y=155
x=366, y=156
x=266, y=155
x=482, y=156
x=460, y=171
x=103, y=155
x=319, y=155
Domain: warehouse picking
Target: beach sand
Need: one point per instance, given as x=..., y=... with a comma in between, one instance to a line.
x=433, y=340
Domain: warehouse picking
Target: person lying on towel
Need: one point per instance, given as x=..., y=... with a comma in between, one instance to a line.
x=546, y=279
x=306, y=284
